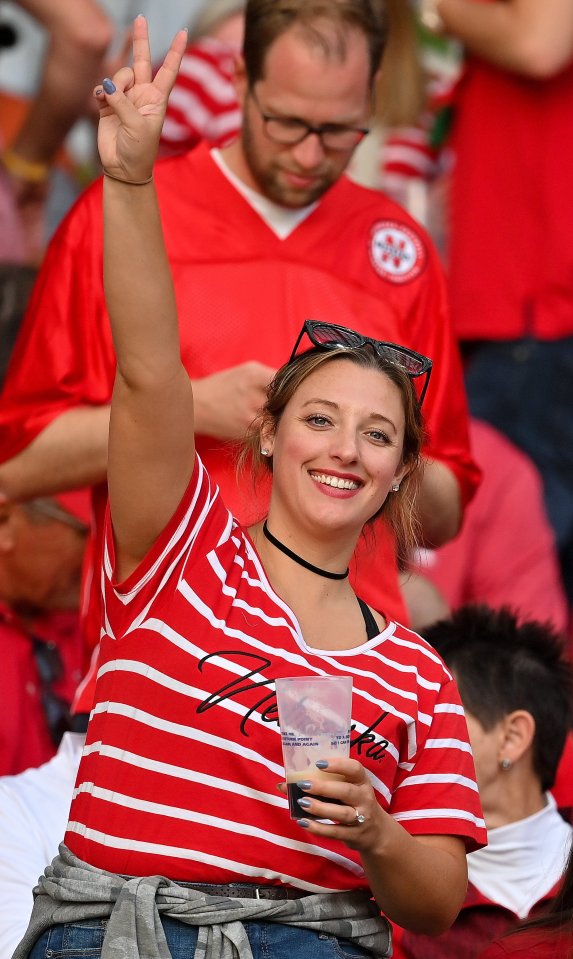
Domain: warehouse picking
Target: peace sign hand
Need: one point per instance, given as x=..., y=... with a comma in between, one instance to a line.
x=132, y=108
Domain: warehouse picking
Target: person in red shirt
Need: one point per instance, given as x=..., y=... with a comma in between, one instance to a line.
x=510, y=257
x=261, y=235
x=41, y=549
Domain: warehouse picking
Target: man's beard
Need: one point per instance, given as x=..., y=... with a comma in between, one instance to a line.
x=268, y=177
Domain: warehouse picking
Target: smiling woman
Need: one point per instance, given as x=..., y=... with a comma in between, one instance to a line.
x=177, y=825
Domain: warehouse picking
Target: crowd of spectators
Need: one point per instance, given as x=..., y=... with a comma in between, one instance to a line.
x=268, y=221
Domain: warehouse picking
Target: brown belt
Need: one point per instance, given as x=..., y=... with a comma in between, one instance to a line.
x=245, y=890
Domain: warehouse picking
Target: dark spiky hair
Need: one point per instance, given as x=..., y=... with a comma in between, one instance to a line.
x=501, y=665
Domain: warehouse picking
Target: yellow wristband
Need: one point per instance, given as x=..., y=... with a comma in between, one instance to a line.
x=25, y=169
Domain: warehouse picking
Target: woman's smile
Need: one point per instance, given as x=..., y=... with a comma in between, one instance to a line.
x=334, y=484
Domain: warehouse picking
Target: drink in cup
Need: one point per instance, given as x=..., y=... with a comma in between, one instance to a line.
x=314, y=717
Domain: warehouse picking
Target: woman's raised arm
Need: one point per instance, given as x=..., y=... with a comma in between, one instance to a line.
x=151, y=444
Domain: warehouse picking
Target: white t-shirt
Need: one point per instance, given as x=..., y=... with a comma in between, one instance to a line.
x=34, y=808
x=522, y=860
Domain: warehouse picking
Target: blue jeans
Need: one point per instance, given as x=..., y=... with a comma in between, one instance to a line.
x=83, y=940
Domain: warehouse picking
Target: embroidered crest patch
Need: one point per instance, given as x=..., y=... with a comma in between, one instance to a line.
x=396, y=252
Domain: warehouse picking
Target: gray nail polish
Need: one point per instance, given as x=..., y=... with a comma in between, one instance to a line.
x=321, y=764
x=304, y=784
x=304, y=802
x=303, y=822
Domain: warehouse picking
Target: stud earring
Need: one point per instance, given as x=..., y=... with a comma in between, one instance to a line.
x=505, y=764
x=265, y=452
x=395, y=487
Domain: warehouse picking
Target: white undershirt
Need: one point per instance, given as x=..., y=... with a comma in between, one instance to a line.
x=522, y=860
x=34, y=807
x=281, y=220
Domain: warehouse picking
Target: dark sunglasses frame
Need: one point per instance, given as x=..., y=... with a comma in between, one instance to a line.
x=343, y=338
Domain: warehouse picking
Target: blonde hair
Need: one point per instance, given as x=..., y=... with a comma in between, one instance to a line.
x=400, y=92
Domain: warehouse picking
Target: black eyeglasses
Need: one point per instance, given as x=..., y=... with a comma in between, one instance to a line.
x=289, y=131
x=329, y=336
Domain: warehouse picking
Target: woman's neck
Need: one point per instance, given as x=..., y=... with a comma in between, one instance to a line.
x=326, y=610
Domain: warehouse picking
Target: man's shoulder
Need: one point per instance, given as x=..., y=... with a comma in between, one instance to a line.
x=178, y=179
x=176, y=172
x=199, y=155
x=373, y=203
x=399, y=248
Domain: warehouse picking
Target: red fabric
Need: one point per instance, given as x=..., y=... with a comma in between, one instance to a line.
x=536, y=943
x=183, y=751
x=24, y=736
x=563, y=788
x=511, y=256
x=505, y=553
x=478, y=923
x=85, y=692
x=250, y=292
x=77, y=502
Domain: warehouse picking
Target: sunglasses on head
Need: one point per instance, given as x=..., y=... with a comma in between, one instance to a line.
x=329, y=336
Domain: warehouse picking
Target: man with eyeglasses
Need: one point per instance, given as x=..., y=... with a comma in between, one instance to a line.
x=261, y=235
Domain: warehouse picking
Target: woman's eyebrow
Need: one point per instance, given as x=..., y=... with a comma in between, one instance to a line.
x=335, y=406
x=318, y=399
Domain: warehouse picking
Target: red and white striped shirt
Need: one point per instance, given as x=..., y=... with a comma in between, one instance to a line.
x=183, y=751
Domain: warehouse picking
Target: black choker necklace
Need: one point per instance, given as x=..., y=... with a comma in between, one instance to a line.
x=298, y=559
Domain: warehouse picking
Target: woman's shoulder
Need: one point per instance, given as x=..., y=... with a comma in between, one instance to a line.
x=416, y=651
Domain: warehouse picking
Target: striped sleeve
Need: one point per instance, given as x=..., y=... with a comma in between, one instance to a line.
x=437, y=793
x=199, y=511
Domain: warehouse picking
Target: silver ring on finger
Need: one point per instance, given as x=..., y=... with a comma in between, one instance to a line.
x=358, y=819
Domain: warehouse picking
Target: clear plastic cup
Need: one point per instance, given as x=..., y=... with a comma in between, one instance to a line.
x=314, y=718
